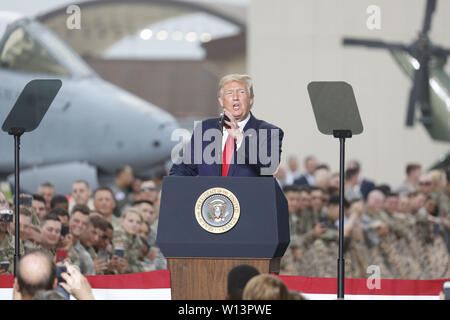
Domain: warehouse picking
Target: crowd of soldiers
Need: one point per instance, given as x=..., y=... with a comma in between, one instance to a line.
x=111, y=230
x=397, y=233
x=401, y=232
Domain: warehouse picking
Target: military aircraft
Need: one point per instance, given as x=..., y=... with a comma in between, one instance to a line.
x=92, y=126
x=423, y=62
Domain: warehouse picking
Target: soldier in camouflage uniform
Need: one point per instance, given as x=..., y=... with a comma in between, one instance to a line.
x=409, y=245
x=6, y=239
x=100, y=227
x=439, y=191
x=397, y=243
x=288, y=261
x=50, y=234
x=26, y=241
x=308, y=229
x=304, y=228
x=307, y=220
x=90, y=237
x=126, y=237
x=78, y=222
x=325, y=248
x=6, y=247
x=433, y=250
x=376, y=233
x=446, y=205
x=39, y=209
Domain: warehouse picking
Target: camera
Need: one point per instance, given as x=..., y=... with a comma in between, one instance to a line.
x=4, y=265
x=6, y=215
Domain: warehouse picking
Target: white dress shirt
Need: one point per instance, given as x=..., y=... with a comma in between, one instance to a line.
x=241, y=125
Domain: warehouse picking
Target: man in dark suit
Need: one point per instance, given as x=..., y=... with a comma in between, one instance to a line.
x=365, y=185
x=244, y=146
x=308, y=177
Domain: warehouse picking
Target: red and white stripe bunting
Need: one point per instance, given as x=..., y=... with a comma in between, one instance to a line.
x=156, y=285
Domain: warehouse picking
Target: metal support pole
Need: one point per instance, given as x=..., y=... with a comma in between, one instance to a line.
x=16, y=201
x=341, y=262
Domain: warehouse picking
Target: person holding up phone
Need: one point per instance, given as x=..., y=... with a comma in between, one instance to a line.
x=90, y=238
x=27, y=239
x=37, y=271
x=6, y=237
x=127, y=243
x=77, y=253
x=244, y=146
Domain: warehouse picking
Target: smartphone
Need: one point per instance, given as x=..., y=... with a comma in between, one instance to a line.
x=446, y=290
x=63, y=292
x=119, y=252
x=323, y=221
x=64, y=230
x=61, y=255
x=4, y=265
x=59, y=271
x=103, y=254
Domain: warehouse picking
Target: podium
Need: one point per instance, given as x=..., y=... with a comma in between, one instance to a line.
x=209, y=225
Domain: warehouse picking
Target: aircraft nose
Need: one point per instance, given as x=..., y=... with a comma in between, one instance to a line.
x=131, y=130
x=164, y=130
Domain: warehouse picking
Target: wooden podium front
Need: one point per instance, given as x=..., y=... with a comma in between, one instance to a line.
x=200, y=255
x=206, y=278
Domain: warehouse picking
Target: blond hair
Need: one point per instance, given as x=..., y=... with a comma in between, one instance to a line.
x=437, y=178
x=132, y=210
x=243, y=78
x=265, y=287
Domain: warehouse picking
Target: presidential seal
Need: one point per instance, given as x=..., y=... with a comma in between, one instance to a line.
x=217, y=210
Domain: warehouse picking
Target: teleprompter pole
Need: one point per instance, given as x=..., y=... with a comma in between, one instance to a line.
x=341, y=134
x=25, y=116
x=17, y=133
x=336, y=111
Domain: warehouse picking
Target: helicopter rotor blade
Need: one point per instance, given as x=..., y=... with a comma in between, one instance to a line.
x=375, y=44
x=431, y=6
x=439, y=51
x=420, y=91
x=411, y=111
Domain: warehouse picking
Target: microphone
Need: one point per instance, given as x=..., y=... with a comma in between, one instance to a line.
x=222, y=123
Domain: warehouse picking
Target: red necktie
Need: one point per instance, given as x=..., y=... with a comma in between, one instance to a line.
x=227, y=155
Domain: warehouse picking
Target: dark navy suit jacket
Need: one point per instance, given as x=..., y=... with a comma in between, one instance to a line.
x=253, y=156
x=365, y=187
x=301, y=181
